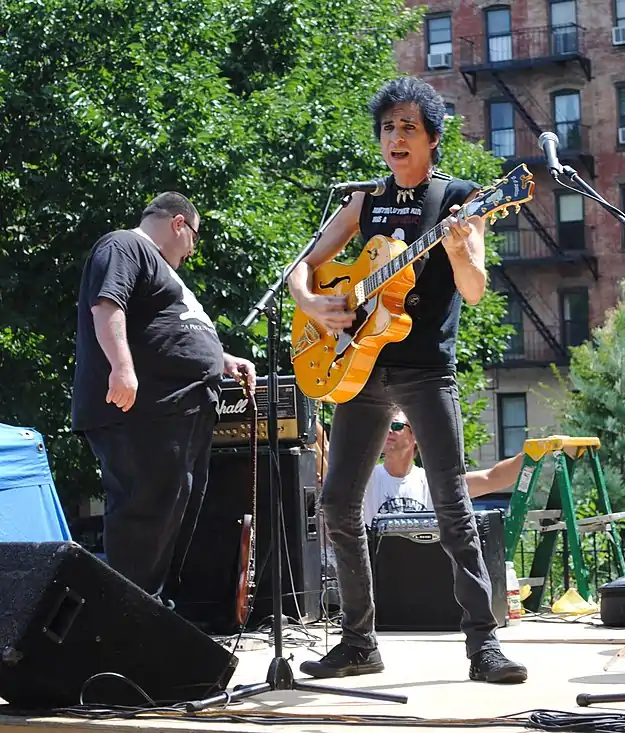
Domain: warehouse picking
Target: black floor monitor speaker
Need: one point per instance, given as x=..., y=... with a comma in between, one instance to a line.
x=66, y=616
x=206, y=594
x=413, y=580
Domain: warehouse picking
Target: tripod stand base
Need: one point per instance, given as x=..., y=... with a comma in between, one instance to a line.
x=280, y=677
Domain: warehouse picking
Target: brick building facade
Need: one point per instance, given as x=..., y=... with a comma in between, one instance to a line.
x=514, y=70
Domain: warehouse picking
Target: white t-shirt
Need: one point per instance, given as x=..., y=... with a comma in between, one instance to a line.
x=392, y=494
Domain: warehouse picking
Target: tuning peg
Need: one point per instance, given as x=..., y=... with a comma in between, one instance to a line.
x=492, y=219
x=504, y=213
x=517, y=208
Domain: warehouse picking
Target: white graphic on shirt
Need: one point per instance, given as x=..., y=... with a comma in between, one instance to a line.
x=399, y=233
x=194, y=309
x=390, y=494
x=193, y=306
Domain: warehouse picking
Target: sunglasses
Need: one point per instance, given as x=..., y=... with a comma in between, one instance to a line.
x=397, y=427
x=196, y=234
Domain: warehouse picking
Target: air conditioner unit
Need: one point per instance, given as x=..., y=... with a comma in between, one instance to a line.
x=621, y=136
x=618, y=35
x=439, y=61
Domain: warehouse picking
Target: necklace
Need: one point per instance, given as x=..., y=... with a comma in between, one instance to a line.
x=405, y=193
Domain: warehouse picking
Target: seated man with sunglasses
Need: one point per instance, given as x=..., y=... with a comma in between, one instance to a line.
x=146, y=388
x=398, y=485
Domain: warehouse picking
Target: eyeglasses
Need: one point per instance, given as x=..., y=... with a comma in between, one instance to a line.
x=196, y=234
x=397, y=427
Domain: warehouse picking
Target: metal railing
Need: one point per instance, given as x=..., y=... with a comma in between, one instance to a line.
x=527, y=346
x=521, y=143
x=529, y=44
x=599, y=560
x=519, y=245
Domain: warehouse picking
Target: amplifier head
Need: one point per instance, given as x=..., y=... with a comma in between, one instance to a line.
x=296, y=414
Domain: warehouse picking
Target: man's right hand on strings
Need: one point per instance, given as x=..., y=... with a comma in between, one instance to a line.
x=330, y=311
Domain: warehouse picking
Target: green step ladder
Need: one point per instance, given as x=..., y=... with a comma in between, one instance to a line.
x=559, y=512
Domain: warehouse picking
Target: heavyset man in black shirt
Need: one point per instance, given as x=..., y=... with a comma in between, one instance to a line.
x=146, y=388
x=417, y=374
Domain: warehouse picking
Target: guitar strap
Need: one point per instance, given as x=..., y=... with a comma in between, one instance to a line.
x=430, y=210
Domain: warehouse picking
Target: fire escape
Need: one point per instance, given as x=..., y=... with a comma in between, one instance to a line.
x=501, y=60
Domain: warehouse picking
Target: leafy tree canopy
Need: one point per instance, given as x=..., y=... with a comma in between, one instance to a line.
x=251, y=108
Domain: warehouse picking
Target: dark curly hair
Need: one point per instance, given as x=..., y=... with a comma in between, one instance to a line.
x=410, y=89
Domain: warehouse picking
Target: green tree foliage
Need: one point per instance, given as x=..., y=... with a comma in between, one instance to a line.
x=593, y=403
x=250, y=108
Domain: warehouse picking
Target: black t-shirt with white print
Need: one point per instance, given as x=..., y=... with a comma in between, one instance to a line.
x=434, y=303
x=176, y=352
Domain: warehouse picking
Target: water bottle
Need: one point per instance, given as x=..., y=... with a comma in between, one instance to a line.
x=513, y=595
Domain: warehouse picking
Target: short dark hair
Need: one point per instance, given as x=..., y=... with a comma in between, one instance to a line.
x=410, y=89
x=170, y=203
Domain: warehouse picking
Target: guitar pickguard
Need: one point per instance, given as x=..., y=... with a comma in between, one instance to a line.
x=347, y=335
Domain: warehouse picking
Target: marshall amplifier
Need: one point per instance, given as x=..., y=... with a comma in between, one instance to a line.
x=412, y=575
x=296, y=414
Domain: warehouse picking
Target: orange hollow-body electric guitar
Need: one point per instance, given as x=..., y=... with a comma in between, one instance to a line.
x=336, y=366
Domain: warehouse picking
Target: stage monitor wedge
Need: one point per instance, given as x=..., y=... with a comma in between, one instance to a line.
x=66, y=616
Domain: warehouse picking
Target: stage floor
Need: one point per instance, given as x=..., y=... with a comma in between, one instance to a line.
x=563, y=658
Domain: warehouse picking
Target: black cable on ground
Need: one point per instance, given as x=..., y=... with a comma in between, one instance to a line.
x=540, y=719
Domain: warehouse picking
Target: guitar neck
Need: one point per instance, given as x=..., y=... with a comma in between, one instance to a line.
x=413, y=252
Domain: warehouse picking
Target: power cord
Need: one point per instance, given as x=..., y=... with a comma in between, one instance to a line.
x=538, y=719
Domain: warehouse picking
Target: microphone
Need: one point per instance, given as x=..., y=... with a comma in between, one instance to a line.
x=376, y=187
x=548, y=142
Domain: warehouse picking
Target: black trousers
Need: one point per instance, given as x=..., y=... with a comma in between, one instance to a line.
x=154, y=473
x=429, y=397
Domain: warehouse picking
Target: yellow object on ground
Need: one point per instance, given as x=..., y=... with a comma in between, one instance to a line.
x=571, y=602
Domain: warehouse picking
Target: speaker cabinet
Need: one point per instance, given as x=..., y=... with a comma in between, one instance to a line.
x=208, y=580
x=66, y=616
x=413, y=579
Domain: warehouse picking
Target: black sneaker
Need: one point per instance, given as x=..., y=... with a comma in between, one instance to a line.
x=344, y=661
x=490, y=665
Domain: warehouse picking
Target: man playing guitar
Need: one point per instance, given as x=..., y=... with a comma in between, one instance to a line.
x=417, y=374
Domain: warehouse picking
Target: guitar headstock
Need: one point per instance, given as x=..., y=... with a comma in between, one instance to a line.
x=516, y=188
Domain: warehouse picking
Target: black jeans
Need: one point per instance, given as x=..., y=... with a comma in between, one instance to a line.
x=155, y=474
x=430, y=401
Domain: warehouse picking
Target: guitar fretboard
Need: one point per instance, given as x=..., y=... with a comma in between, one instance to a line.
x=403, y=259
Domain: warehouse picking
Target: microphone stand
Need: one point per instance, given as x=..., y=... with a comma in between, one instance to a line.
x=280, y=675
x=590, y=192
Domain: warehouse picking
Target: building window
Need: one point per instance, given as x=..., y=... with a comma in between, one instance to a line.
x=501, y=115
x=574, y=316
x=567, y=114
x=450, y=108
x=570, y=207
x=512, y=409
x=514, y=317
x=508, y=228
x=619, y=13
x=499, y=34
x=563, y=18
x=620, y=113
x=439, y=42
